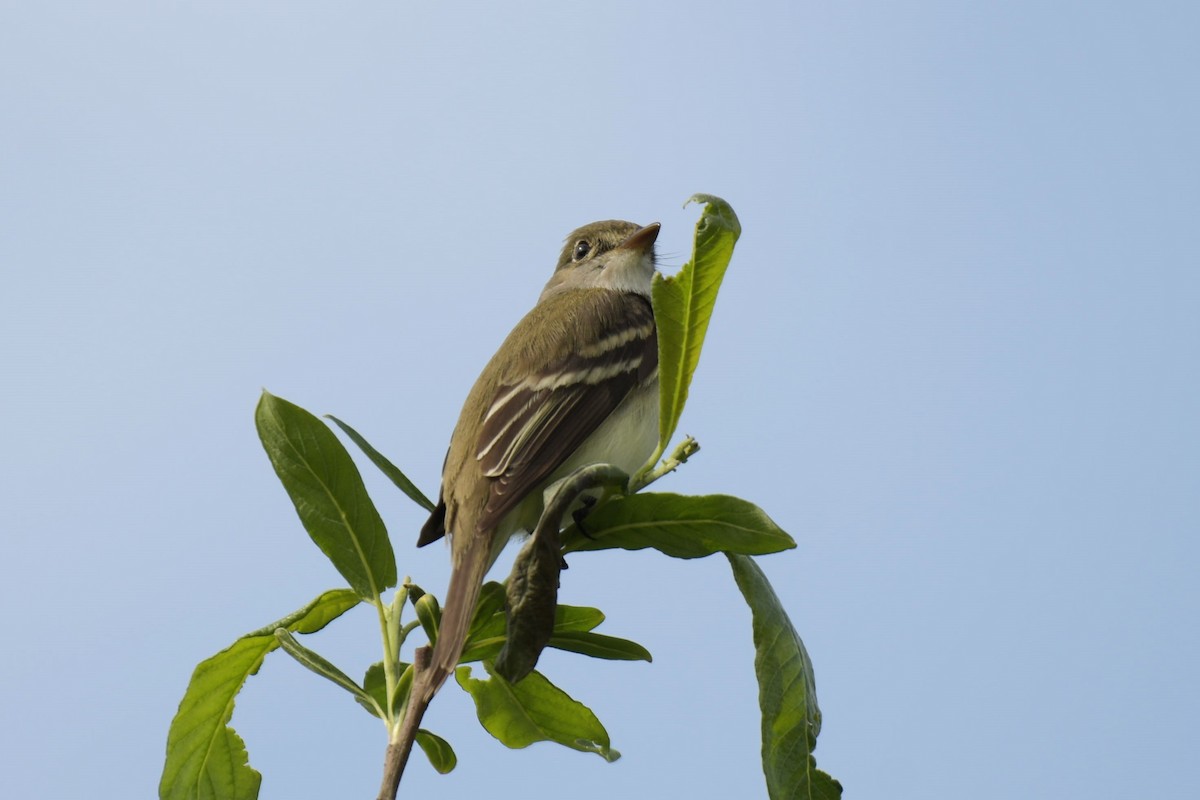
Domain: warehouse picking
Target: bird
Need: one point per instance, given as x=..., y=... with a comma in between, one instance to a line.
x=575, y=383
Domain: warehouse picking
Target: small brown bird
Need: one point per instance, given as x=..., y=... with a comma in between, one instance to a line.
x=575, y=383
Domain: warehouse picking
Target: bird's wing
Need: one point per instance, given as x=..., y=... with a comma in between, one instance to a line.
x=535, y=423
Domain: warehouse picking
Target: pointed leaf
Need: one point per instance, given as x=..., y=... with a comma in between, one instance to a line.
x=386, y=467
x=318, y=664
x=438, y=751
x=205, y=757
x=328, y=493
x=534, y=710
x=576, y=618
x=598, y=645
x=787, y=694
x=683, y=305
x=680, y=526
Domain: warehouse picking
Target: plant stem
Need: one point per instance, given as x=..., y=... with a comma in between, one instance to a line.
x=389, y=660
x=400, y=742
x=679, y=456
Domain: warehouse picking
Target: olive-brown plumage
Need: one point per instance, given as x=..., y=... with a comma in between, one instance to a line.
x=575, y=383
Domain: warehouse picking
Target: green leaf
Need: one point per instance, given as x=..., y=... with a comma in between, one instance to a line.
x=488, y=638
x=205, y=757
x=375, y=685
x=437, y=750
x=328, y=493
x=386, y=467
x=787, y=694
x=314, y=662
x=488, y=621
x=227, y=771
x=576, y=618
x=429, y=613
x=483, y=649
x=680, y=526
x=683, y=305
x=487, y=634
x=534, y=710
x=598, y=645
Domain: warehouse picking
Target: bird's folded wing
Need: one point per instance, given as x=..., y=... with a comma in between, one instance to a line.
x=534, y=424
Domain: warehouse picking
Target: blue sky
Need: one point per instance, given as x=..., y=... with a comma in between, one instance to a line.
x=957, y=356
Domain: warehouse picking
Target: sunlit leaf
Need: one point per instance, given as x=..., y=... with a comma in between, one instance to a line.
x=205, y=757
x=683, y=305
x=437, y=750
x=328, y=492
x=534, y=710
x=787, y=694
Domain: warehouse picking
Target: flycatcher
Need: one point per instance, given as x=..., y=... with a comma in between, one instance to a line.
x=575, y=383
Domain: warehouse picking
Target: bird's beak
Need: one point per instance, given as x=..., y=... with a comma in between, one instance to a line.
x=642, y=239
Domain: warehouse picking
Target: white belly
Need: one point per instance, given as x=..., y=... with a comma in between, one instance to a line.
x=625, y=440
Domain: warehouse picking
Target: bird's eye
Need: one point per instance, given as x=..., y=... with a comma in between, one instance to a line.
x=582, y=248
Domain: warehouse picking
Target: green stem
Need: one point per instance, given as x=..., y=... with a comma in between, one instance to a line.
x=389, y=661
x=686, y=449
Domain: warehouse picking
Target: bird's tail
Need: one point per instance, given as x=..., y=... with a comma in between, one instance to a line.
x=466, y=580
